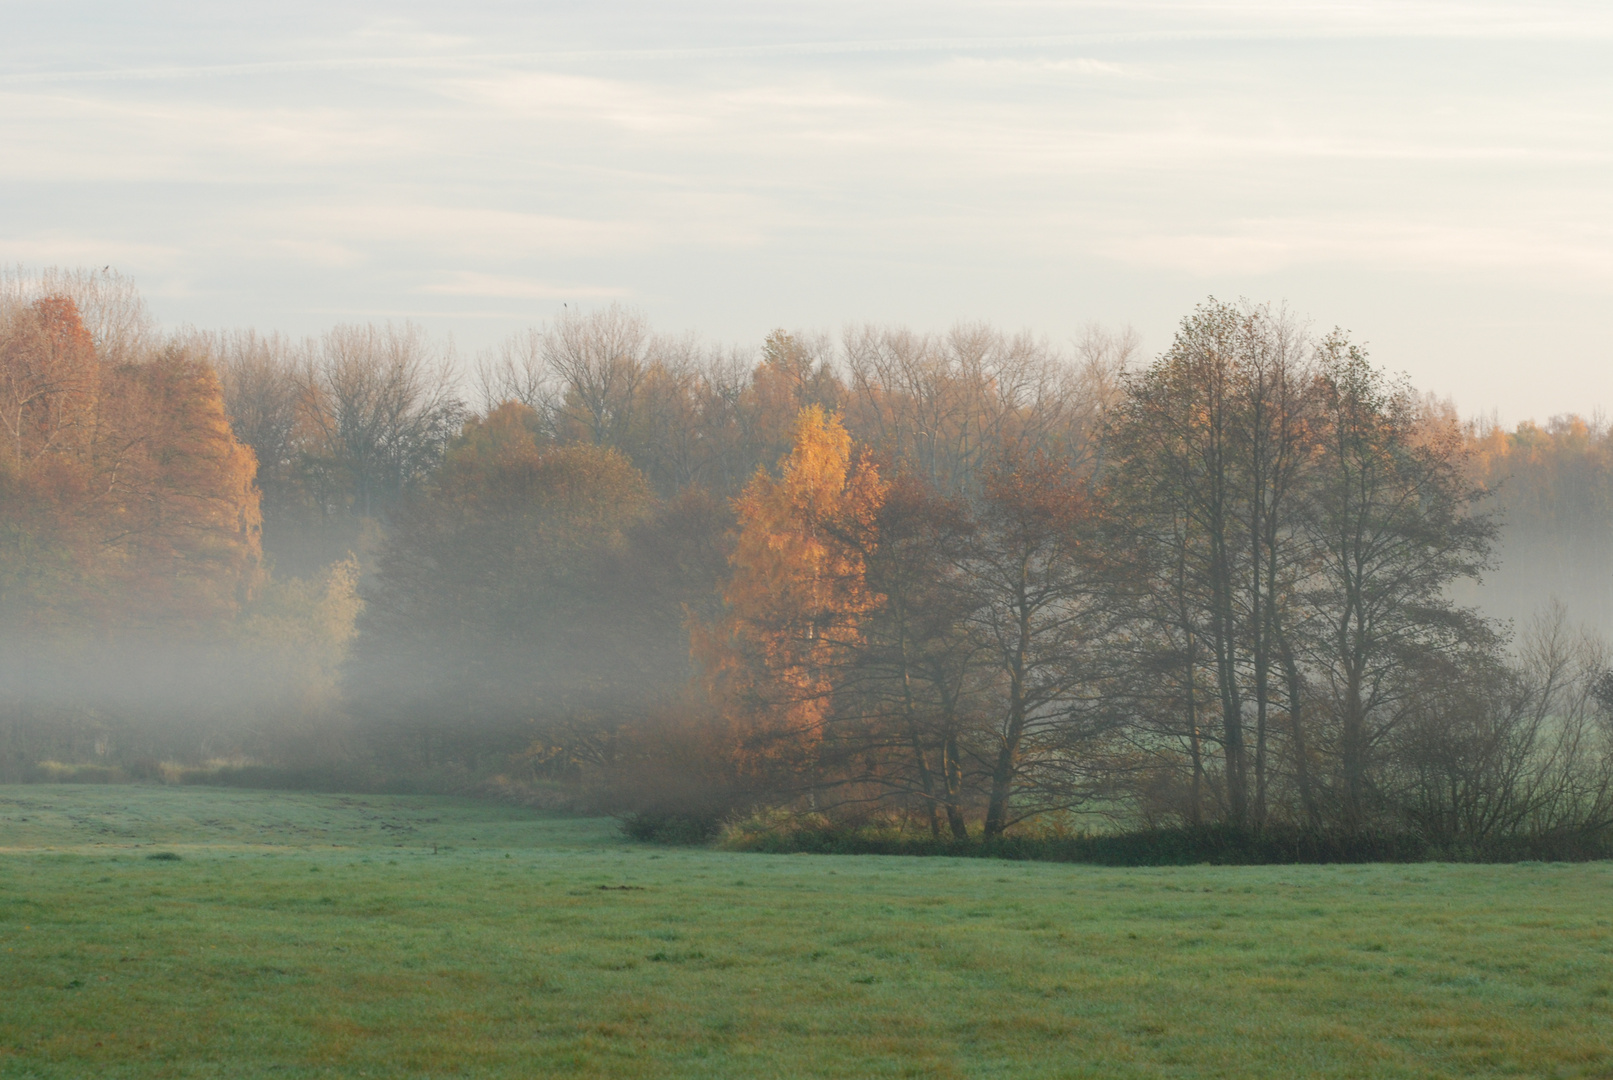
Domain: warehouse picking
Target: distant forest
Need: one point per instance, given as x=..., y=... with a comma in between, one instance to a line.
x=961, y=585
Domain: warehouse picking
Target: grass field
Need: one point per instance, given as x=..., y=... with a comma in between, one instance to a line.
x=302, y=935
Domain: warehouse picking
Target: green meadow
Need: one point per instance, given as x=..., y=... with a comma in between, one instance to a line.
x=190, y=932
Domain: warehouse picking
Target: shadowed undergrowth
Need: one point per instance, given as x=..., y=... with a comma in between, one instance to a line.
x=1217, y=845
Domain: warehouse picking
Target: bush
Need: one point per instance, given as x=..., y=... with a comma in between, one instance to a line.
x=671, y=778
x=1213, y=844
x=327, y=778
x=56, y=772
x=662, y=828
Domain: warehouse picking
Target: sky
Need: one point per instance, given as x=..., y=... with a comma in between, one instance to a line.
x=1436, y=178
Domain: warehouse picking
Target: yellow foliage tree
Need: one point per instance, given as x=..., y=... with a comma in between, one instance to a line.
x=796, y=595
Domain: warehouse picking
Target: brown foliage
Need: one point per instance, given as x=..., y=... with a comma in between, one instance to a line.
x=127, y=499
x=1551, y=485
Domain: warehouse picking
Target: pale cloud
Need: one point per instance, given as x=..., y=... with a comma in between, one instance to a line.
x=735, y=166
x=1269, y=246
x=77, y=136
x=1197, y=19
x=706, y=220
x=651, y=109
x=66, y=249
x=473, y=283
x=1084, y=67
x=317, y=251
x=409, y=35
x=580, y=100
x=488, y=233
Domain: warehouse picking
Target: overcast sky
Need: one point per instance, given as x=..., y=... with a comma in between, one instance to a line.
x=1435, y=177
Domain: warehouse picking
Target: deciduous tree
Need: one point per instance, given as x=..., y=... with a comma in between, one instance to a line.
x=797, y=594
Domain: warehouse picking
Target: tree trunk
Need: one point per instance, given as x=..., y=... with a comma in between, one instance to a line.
x=926, y=783
x=1002, y=778
x=1002, y=775
x=951, y=761
x=1296, y=723
x=952, y=771
x=1224, y=630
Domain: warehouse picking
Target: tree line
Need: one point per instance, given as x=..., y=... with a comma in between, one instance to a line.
x=962, y=584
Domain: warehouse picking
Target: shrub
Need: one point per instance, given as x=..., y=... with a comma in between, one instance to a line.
x=56, y=772
x=1212, y=844
x=664, y=828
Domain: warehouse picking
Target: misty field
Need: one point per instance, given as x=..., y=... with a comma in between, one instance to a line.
x=319, y=935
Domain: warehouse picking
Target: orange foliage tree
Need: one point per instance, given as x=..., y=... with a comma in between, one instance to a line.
x=124, y=497
x=1552, y=488
x=797, y=594
x=129, y=540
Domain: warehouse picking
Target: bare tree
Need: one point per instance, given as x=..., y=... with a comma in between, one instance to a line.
x=944, y=405
x=385, y=404
x=262, y=377
x=1176, y=483
x=1490, y=751
x=108, y=303
x=1271, y=438
x=600, y=359
x=1035, y=614
x=1392, y=526
x=517, y=371
x=1210, y=456
x=907, y=680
